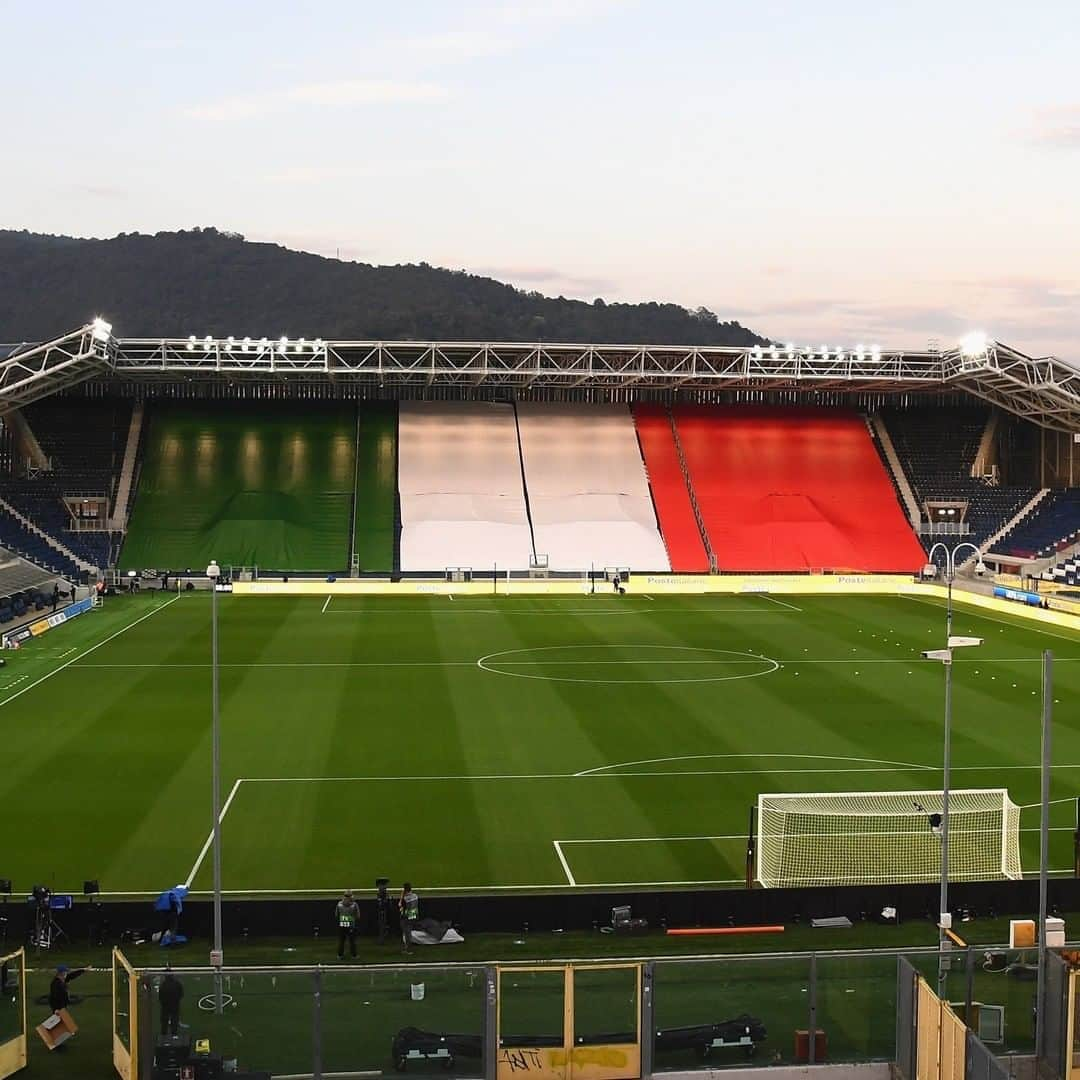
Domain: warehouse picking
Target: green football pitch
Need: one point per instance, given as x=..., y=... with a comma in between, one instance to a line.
x=474, y=743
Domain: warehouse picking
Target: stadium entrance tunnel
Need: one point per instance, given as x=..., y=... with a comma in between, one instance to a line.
x=608, y=664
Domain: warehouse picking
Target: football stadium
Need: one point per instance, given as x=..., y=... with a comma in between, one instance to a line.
x=714, y=703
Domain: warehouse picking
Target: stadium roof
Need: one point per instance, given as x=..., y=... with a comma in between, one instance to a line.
x=1044, y=390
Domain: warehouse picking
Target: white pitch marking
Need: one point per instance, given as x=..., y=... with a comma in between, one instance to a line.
x=87, y=652
x=210, y=836
x=651, y=839
x=979, y=614
x=782, y=603
x=451, y=595
x=565, y=864
x=605, y=769
x=326, y=604
x=648, y=597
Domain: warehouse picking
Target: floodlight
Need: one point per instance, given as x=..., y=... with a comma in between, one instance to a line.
x=283, y=345
x=208, y=342
x=263, y=342
x=191, y=343
x=100, y=329
x=824, y=352
x=319, y=346
x=299, y=346
x=213, y=571
x=875, y=352
x=791, y=350
x=775, y=353
x=230, y=342
x=131, y=573
x=839, y=353
x=757, y=352
x=247, y=345
x=860, y=352
x=974, y=344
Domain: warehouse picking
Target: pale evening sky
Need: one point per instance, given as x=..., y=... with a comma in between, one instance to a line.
x=826, y=172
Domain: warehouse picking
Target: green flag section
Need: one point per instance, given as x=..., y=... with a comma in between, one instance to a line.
x=376, y=485
x=248, y=485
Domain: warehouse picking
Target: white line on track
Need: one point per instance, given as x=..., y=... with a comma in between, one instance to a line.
x=565, y=864
x=326, y=604
x=210, y=835
x=87, y=652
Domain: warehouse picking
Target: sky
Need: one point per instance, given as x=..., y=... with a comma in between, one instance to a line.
x=826, y=172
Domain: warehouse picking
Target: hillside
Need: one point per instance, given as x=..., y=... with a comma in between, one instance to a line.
x=209, y=282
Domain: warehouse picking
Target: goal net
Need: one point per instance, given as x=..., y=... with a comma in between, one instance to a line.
x=885, y=837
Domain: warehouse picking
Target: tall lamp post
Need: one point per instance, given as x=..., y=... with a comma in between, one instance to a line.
x=945, y=657
x=213, y=572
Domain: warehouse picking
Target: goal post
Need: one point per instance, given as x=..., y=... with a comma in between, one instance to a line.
x=885, y=837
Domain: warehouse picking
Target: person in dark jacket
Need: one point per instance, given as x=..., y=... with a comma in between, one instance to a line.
x=59, y=998
x=346, y=915
x=170, y=994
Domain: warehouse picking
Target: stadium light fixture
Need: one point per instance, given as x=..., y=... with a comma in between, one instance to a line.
x=860, y=352
x=246, y=346
x=974, y=344
x=264, y=343
x=230, y=343
x=319, y=346
x=299, y=346
x=875, y=353
x=191, y=343
x=208, y=342
x=100, y=329
x=840, y=355
x=283, y=345
x=791, y=350
x=824, y=352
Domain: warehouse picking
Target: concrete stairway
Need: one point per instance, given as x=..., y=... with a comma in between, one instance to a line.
x=118, y=521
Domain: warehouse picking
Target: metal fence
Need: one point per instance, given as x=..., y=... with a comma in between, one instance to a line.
x=600, y=1020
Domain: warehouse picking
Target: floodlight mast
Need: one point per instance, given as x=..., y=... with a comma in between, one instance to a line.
x=945, y=657
x=213, y=572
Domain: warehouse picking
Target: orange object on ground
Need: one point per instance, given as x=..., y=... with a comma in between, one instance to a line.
x=705, y=930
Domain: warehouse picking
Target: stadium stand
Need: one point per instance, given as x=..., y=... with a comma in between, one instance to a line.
x=936, y=448
x=1054, y=525
x=248, y=485
x=459, y=479
x=678, y=526
x=588, y=492
x=376, y=487
x=84, y=440
x=15, y=536
x=794, y=489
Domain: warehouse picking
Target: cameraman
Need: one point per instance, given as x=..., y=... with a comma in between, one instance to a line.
x=409, y=912
x=346, y=914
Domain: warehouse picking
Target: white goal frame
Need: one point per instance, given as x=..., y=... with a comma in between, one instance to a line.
x=879, y=837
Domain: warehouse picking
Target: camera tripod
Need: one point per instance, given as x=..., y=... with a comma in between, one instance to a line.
x=47, y=931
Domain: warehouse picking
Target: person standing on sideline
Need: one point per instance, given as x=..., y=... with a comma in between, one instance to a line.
x=346, y=914
x=170, y=994
x=59, y=998
x=55, y=595
x=409, y=911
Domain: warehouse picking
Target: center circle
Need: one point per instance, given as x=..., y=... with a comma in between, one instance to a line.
x=627, y=664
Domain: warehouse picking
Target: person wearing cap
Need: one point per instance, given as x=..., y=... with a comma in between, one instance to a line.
x=347, y=915
x=59, y=998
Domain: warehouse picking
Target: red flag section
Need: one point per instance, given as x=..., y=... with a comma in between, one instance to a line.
x=792, y=490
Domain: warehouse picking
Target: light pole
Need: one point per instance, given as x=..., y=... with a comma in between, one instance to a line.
x=945, y=657
x=213, y=572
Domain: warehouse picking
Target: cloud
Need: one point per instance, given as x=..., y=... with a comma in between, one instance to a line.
x=340, y=93
x=1056, y=128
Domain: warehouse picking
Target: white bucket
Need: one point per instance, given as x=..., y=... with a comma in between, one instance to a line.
x=417, y=991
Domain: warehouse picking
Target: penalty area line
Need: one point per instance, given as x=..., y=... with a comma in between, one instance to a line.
x=329, y=597
x=210, y=836
x=87, y=652
x=564, y=863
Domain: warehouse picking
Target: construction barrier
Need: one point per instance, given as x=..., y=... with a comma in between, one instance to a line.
x=12, y=1013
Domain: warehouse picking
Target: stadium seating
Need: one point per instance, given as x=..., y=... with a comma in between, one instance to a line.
x=459, y=478
x=83, y=438
x=794, y=489
x=937, y=447
x=679, y=527
x=1055, y=523
x=16, y=537
x=376, y=487
x=588, y=493
x=248, y=485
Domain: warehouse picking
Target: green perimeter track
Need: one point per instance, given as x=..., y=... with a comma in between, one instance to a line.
x=453, y=741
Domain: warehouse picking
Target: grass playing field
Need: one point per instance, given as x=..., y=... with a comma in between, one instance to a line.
x=480, y=743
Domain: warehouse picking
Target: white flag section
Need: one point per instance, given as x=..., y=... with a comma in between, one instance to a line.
x=588, y=492
x=459, y=478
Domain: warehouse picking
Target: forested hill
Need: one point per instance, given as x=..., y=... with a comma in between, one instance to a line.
x=209, y=282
